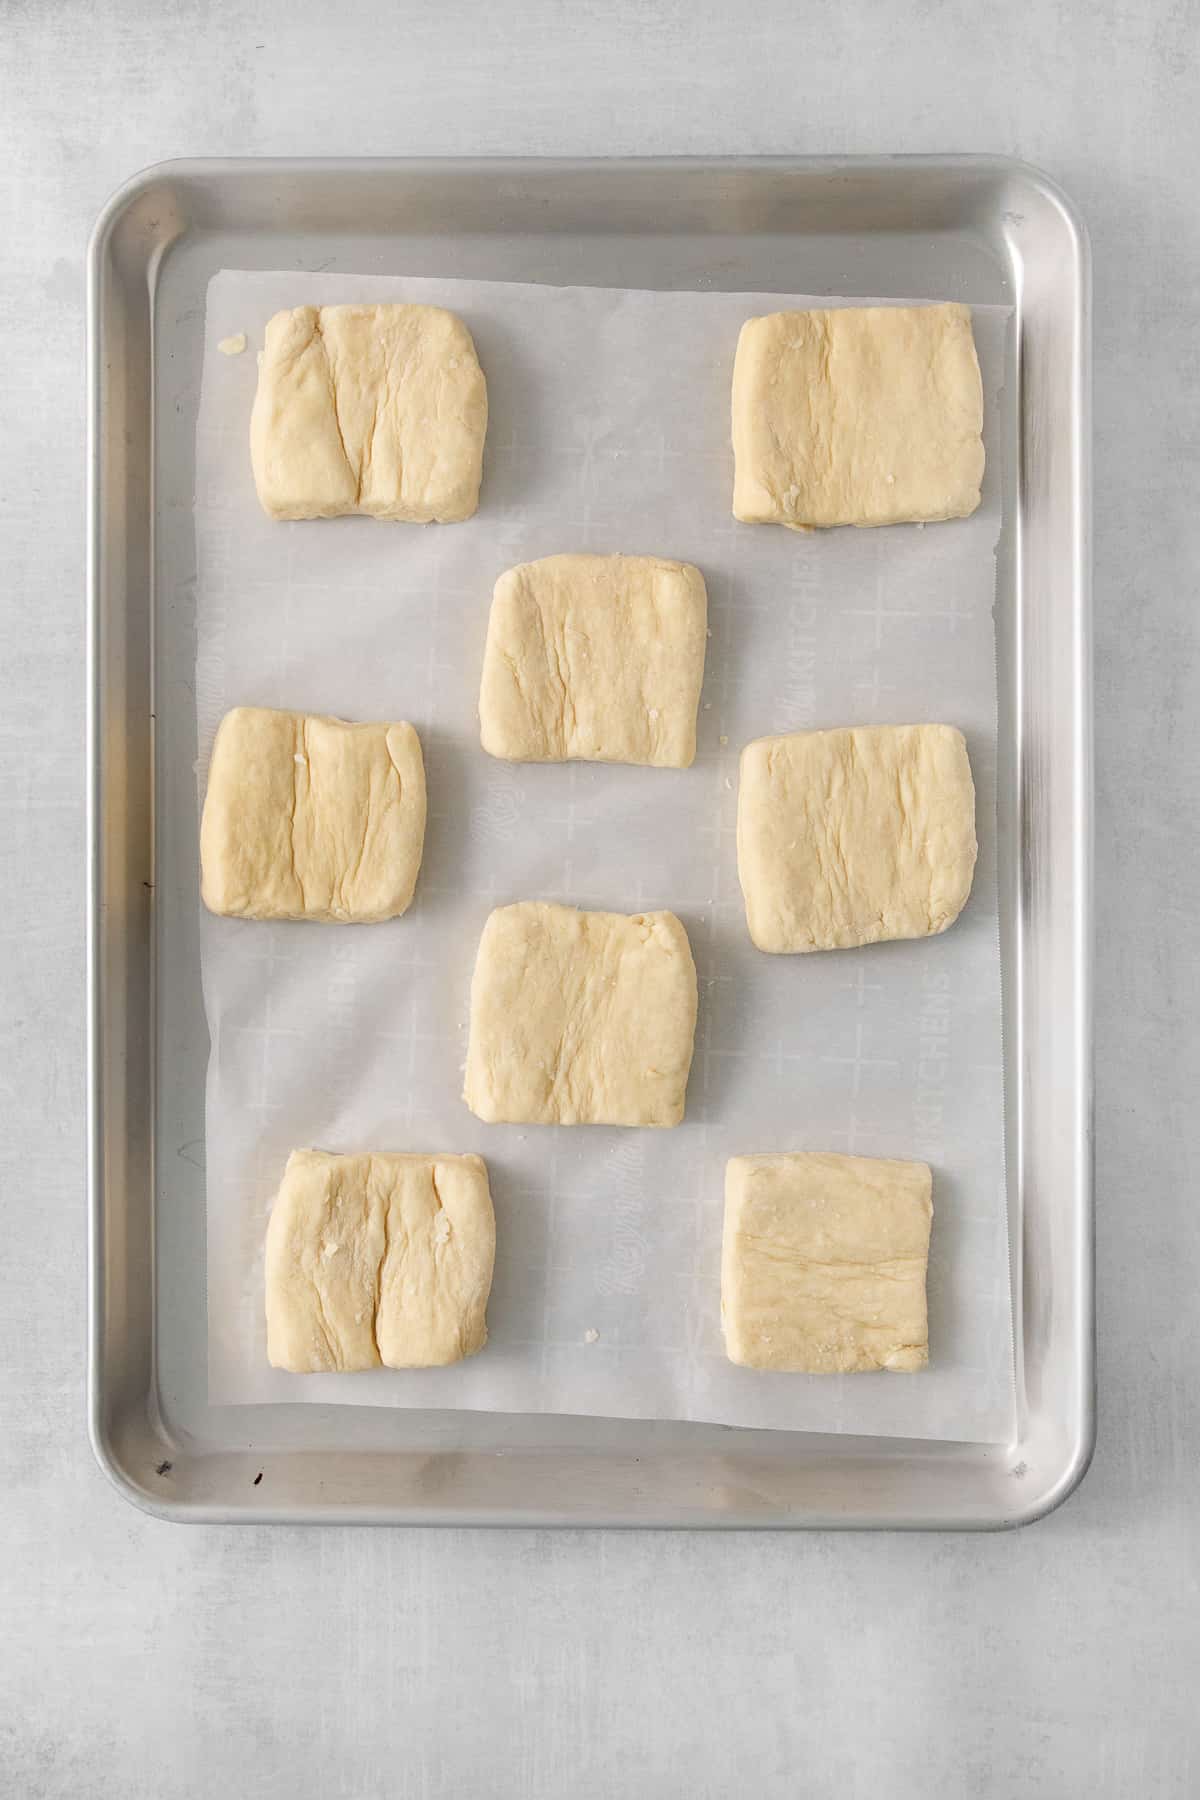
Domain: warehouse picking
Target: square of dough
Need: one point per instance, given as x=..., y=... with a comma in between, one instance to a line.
x=368, y=409
x=597, y=658
x=823, y=1263
x=580, y=1018
x=866, y=415
x=311, y=818
x=378, y=1260
x=855, y=836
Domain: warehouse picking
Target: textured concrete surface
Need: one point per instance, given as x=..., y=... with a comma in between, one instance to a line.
x=141, y=1659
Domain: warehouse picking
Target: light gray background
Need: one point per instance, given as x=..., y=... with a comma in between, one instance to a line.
x=142, y=1659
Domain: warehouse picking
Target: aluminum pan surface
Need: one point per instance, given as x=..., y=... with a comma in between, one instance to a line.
x=970, y=228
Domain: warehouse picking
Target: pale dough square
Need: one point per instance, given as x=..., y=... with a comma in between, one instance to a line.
x=378, y=1260
x=311, y=818
x=379, y=410
x=596, y=658
x=823, y=1263
x=855, y=836
x=581, y=1018
x=869, y=415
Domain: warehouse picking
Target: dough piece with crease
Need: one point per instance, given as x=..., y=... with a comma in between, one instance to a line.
x=580, y=1018
x=379, y=410
x=855, y=836
x=311, y=818
x=597, y=658
x=858, y=415
x=378, y=1260
x=823, y=1263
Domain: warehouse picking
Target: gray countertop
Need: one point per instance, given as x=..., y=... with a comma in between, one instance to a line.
x=142, y=1659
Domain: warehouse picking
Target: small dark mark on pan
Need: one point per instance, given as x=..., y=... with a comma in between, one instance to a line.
x=257, y=1479
x=162, y=1468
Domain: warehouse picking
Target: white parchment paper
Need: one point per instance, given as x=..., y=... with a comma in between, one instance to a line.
x=609, y=430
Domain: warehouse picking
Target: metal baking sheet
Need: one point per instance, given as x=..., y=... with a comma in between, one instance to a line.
x=980, y=230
